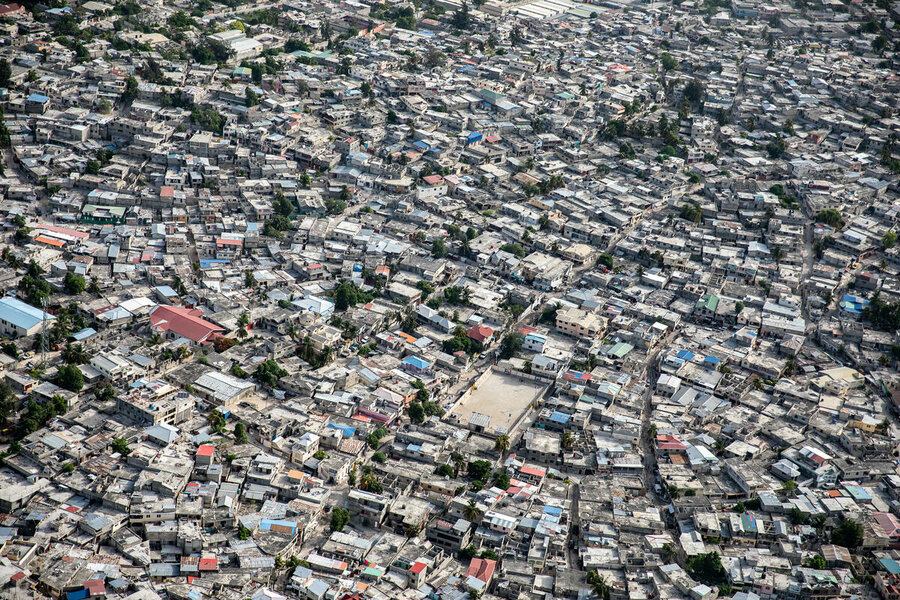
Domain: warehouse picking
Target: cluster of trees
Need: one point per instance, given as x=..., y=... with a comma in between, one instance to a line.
x=209, y=119
x=317, y=359
x=456, y=294
x=707, y=568
x=73, y=283
x=374, y=438
x=339, y=519
x=691, y=212
x=269, y=372
x=423, y=407
x=35, y=290
x=882, y=315
x=512, y=343
x=348, y=294
x=276, y=226
x=831, y=217
x=39, y=414
x=461, y=342
x=210, y=52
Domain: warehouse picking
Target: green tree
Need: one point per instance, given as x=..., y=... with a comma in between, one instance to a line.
x=848, y=534
x=240, y=433
x=5, y=73
x=831, y=217
x=816, y=561
x=445, y=471
x=461, y=18
x=268, y=373
x=70, y=378
x=74, y=354
x=251, y=98
x=479, y=469
x=73, y=283
x=501, y=444
x=512, y=343
x=707, y=568
x=120, y=445
x=438, y=248
x=470, y=512
x=668, y=63
x=416, y=412
x=888, y=240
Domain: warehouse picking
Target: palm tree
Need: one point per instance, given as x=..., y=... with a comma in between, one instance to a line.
x=668, y=552
x=74, y=354
x=501, y=444
x=242, y=333
x=719, y=445
x=598, y=585
x=470, y=512
x=568, y=440
x=184, y=352
x=459, y=463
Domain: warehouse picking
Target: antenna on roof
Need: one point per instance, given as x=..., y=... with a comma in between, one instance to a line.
x=44, y=330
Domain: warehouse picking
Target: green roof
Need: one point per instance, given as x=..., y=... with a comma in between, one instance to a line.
x=620, y=350
x=491, y=95
x=709, y=302
x=117, y=211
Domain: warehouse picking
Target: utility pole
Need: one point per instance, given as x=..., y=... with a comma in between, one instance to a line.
x=44, y=331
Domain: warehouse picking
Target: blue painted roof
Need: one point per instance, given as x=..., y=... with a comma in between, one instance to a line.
x=892, y=566
x=685, y=354
x=712, y=359
x=417, y=362
x=38, y=98
x=84, y=334
x=560, y=417
x=348, y=431
x=20, y=314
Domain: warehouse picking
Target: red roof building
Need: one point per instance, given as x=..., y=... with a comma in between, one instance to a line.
x=185, y=322
x=482, y=569
x=7, y=10
x=209, y=564
x=481, y=333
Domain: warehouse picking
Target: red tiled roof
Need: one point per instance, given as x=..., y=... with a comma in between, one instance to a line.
x=95, y=587
x=532, y=471
x=480, y=333
x=206, y=450
x=417, y=567
x=185, y=322
x=482, y=568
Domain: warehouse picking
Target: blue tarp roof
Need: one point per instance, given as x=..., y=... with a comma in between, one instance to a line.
x=84, y=334
x=347, y=430
x=560, y=417
x=416, y=362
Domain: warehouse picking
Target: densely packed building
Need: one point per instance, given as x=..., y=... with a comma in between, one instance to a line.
x=528, y=300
